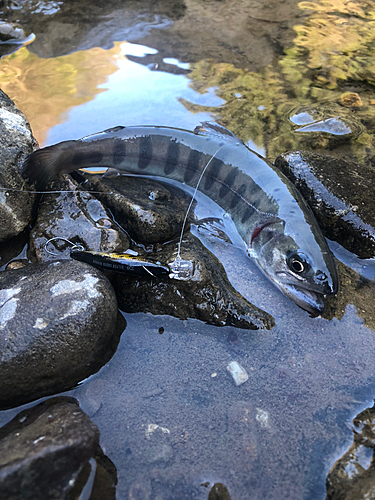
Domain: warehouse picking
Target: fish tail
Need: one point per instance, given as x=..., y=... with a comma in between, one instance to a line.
x=41, y=166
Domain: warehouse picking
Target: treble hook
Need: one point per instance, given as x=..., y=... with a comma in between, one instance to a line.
x=75, y=246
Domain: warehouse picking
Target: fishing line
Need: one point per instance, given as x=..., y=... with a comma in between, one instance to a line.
x=48, y=192
x=183, y=269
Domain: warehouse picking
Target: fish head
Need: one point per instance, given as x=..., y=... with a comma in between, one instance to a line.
x=303, y=272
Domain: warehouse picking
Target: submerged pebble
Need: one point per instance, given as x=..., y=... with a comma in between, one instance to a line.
x=238, y=373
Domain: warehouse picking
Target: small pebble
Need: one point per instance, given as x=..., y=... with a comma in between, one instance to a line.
x=238, y=372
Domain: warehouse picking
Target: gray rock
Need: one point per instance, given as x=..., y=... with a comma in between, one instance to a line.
x=76, y=215
x=339, y=195
x=44, y=449
x=16, y=142
x=57, y=327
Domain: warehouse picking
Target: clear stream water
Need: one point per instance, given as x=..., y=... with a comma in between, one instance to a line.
x=249, y=65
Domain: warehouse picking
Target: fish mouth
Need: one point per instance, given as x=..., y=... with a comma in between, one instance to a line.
x=306, y=299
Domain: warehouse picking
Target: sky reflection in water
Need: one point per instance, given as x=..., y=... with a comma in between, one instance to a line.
x=132, y=94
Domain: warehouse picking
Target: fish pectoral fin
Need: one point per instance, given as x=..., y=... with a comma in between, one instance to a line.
x=216, y=131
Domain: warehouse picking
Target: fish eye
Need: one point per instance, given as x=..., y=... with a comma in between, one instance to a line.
x=298, y=263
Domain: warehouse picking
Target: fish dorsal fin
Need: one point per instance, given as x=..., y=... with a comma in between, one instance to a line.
x=107, y=131
x=217, y=131
x=113, y=129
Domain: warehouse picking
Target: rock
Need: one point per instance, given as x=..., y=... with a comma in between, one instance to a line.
x=339, y=195
x=351, y=100
x=150, y=211
x=16, y=142
x=219, y=492
x=207, y=295
x=75, y=215
x=353, y=475
x=44, y=449
x=238, y=373
x=57, y=327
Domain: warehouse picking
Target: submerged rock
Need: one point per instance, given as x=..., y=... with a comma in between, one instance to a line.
x=45, y=450
x=57, y=327
x=340, y=195
x=207, y=295
x=353, y=475
x=75, y=215
x=16, y=142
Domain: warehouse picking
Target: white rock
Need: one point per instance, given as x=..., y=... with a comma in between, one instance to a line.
x=238, y=373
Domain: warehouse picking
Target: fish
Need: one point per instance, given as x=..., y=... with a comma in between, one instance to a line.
x=121, y=263
x=277, y=226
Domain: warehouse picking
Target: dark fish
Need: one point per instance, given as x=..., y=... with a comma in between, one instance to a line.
x=278, y=228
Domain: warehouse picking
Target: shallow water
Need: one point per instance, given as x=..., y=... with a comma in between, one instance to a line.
x=250, y=66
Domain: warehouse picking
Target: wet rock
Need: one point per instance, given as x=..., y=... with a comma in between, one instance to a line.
x=148, y=210
x=16, y=142
x=57, y=327
x=353, y=475
x=207, y=296
x=44, y=449
x=338, y=193
x=75, y=215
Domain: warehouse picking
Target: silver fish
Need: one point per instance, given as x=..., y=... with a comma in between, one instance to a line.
x=278, y=228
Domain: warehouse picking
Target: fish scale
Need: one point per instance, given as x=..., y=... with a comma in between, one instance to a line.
x=279, y=230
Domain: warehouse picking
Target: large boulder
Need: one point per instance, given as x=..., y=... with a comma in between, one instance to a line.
x=16, y=142
x=57, y=327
